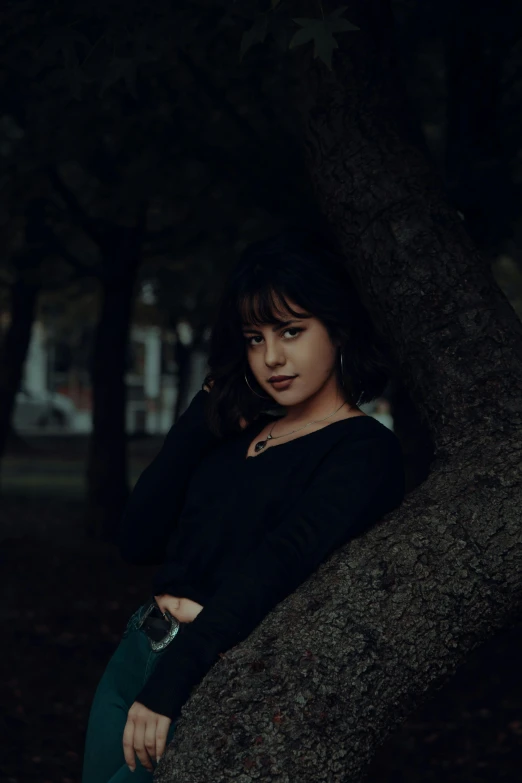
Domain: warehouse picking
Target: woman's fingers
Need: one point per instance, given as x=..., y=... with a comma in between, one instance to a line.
x=134, y=743
x=139, y=746
x=128, y=744
x=150, y=744
x=145, y=735
x=162, y=730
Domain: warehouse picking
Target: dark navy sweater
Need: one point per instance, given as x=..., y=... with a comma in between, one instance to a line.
x=239, y=534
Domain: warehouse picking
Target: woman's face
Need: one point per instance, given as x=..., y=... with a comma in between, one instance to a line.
x=302, y=348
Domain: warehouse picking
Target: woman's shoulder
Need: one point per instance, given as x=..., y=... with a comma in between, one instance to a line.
x=357, y=430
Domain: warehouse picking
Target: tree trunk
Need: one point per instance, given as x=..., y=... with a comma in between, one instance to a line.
x=342, y=662
x=184, y=365
x=39, y=242
x=13, y=353
x=107, y=482
x=414, y=435
x=107, y=468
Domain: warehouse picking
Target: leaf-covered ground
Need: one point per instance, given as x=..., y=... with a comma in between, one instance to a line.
x=64, y=602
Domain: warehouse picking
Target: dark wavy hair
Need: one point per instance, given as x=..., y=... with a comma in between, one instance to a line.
x=306, y=267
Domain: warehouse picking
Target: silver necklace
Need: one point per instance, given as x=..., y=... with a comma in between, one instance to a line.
x=260, y=445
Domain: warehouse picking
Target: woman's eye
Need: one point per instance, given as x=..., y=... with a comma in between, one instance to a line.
x=291, y=329
x=294, y=329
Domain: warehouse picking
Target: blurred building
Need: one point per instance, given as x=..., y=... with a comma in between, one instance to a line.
x=56, y=373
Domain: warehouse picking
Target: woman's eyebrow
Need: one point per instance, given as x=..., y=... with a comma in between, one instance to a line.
x=248, y=328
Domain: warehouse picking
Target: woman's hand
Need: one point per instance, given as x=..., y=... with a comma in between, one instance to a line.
x=242, y=422
x=183, y=609
x=145, y=734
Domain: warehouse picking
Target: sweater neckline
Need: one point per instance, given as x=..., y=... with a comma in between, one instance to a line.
x=260, y=422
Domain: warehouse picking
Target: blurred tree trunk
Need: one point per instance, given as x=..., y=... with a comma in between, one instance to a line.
x=184, y=363
x=478, y=153
x=107, y=463
x=13, y=351
x=39, y=242
x=387, y=621
x=414, y=435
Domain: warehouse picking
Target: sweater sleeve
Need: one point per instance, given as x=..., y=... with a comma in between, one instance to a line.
x=355, y=484
x=158, y=496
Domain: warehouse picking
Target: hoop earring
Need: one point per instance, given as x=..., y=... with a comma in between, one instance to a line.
x=254, y=392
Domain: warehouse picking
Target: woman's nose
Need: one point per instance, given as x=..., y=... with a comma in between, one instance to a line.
x=273, y=355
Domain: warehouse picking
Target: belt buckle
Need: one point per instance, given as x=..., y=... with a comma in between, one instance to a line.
x=169, y=636
x=146, y=614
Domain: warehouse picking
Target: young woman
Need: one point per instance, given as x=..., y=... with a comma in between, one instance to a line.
x=271, y=468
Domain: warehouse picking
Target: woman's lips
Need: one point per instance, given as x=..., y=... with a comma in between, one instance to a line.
x=281, y=385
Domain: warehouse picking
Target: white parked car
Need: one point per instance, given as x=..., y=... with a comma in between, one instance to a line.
x=43, y=409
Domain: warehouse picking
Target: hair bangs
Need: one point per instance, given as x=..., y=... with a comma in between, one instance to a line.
x=265, y=306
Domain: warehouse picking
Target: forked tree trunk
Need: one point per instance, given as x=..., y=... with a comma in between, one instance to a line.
x=385, y=622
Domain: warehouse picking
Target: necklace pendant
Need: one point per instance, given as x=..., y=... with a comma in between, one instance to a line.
x=260, y=445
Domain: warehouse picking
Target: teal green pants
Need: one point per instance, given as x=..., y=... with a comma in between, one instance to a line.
x=127, y=671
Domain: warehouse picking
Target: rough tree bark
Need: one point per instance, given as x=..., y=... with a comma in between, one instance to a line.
x=385, y=622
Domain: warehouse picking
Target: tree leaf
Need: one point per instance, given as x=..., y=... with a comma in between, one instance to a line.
x=256, y=34
x=320, y=31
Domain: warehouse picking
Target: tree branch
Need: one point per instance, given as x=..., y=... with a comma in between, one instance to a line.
x=72, y=203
